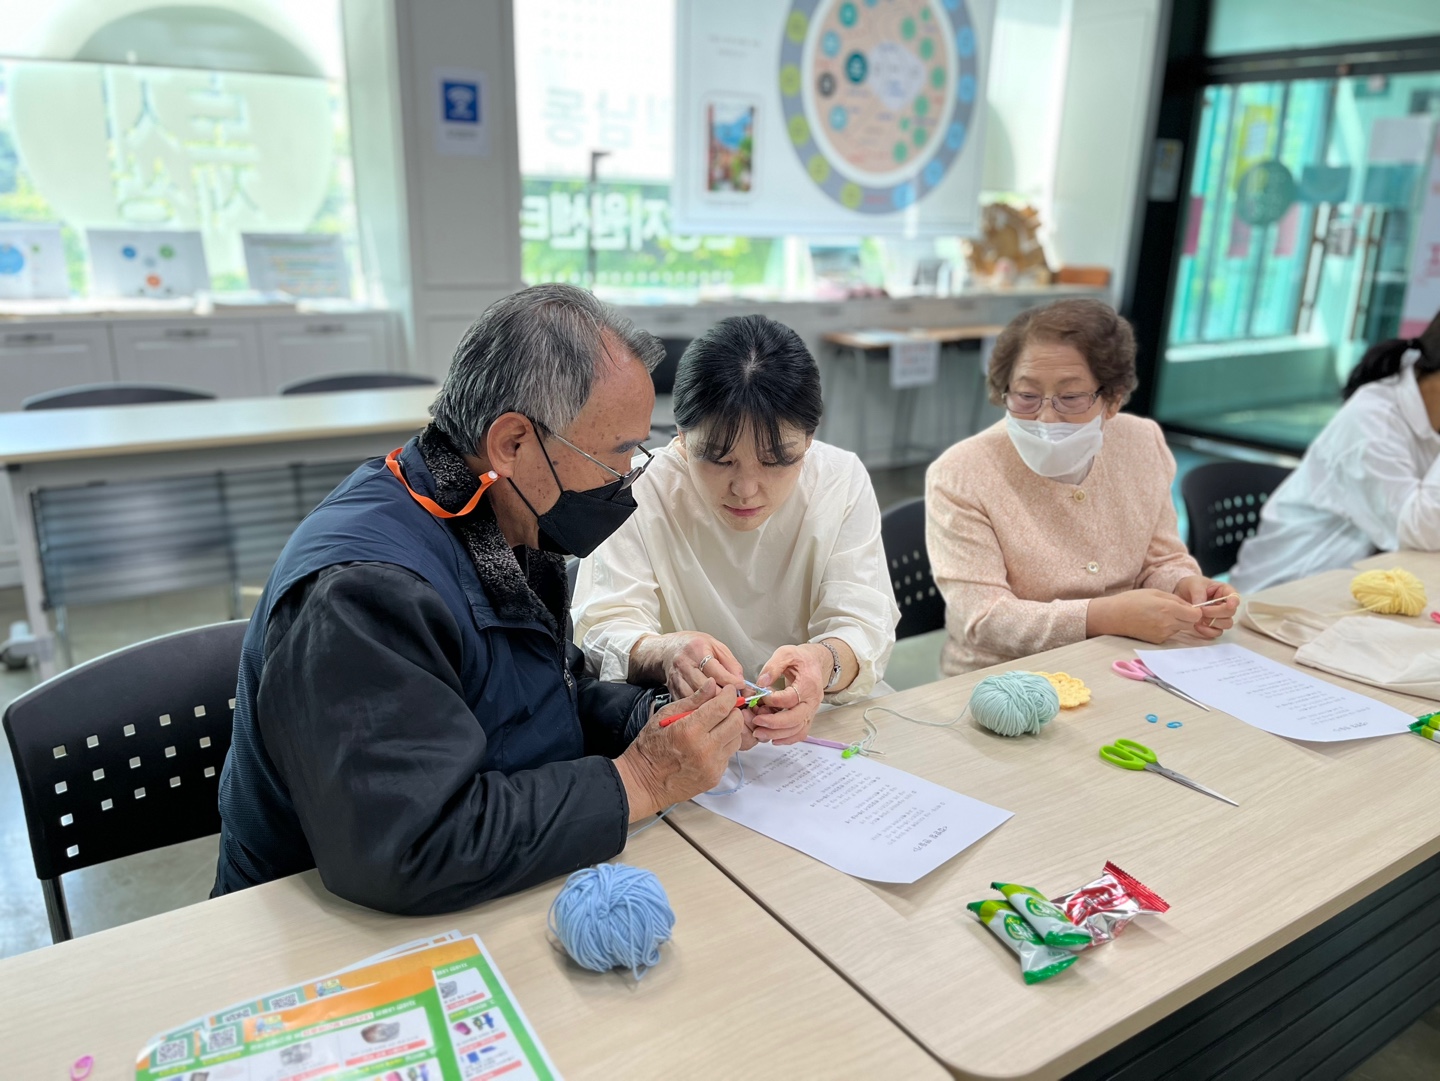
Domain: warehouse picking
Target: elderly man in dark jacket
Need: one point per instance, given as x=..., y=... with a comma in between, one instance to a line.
x=411, y=717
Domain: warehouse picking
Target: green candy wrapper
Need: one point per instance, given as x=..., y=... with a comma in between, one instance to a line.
x=1037, y=960
x=1051, y=924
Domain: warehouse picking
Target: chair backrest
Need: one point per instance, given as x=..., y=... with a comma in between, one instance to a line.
x=1223, y=501
x=122, y=754
x=96, y=394
x=902, y=529
x=664, y=374
x=327, y=384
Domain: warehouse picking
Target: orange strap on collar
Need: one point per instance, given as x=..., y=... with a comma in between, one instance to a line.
x=392, y=463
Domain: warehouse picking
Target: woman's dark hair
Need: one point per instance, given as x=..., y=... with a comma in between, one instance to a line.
x=1093, y=328
x=747, y=372
x=1383, y=360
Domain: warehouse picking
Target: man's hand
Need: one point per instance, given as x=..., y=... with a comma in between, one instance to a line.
x=667, y=765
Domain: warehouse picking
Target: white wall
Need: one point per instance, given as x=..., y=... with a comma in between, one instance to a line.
x=1105, y=132
x=443, y=231
x=1025, y=90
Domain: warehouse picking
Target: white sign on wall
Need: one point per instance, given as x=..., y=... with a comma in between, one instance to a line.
x=830, y=116
x=462, y=113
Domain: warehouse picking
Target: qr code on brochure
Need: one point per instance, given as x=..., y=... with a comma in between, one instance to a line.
x=222, y=1039
x=284, y=1002
x=172, y=1051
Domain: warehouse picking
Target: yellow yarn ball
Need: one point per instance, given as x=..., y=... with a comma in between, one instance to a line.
x=1391, y=593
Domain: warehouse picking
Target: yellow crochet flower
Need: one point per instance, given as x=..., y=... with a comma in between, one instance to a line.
x=1071, y=691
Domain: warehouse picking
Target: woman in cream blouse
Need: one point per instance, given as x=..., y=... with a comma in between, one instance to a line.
x=756, y=550
x=1056, y=525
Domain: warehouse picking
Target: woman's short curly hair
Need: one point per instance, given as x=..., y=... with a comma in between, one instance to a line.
x=1097, y=332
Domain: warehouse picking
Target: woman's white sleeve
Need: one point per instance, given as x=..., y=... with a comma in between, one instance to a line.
x=1392, y=505
x=856, y=603
x=616, y=602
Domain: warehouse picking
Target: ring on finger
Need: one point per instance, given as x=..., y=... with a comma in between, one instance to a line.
x=704, y=661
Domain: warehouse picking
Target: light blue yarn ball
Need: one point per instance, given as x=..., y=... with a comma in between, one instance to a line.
x=1014, y=703
x=612, y=916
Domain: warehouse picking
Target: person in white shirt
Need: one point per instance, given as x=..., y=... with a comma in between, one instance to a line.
x=756, y=550
x=1369, y=483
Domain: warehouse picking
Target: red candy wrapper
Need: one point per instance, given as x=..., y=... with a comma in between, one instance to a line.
x=1104, y=907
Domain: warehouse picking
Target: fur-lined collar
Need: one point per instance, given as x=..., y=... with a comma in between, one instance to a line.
x=521, y=583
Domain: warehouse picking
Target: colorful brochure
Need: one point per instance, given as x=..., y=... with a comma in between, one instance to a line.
x=439, y=1013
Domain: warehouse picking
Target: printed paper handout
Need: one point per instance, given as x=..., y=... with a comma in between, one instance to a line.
x=1273, y=696
x=865, y=819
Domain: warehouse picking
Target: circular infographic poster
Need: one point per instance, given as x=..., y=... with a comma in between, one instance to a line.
x=878, y=96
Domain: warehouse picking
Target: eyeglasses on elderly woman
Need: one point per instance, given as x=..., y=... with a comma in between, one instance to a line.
x=1026, y=405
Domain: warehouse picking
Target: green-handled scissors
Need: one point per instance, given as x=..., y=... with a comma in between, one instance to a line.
x=1127, y=754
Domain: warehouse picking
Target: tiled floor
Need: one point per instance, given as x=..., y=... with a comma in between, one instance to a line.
x=154, y=882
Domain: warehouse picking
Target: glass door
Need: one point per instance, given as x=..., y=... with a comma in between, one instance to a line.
x=1298, y=228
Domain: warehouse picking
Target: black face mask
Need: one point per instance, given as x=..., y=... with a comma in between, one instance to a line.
x=580, y=522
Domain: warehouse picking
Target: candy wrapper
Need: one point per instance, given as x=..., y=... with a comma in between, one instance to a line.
x=1104, y=907
x=1048, y=921
x=1037, y=960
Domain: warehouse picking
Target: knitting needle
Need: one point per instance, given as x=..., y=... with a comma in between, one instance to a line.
x=1216, y=600
x=740, y=703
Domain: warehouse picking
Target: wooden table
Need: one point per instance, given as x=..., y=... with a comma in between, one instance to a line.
x=1319, y=827
x=73, y=447
x=1424, y=565
x=863, y=345
x=733, y=996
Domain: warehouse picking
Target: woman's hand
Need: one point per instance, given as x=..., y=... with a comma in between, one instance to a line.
x=685, y=660
x=667, y=765
x=1151, y=615
x=784, y=716
x=1216, y=619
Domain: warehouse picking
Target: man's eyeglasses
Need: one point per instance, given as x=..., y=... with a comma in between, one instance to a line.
x=626, y=479
x=1024, y=405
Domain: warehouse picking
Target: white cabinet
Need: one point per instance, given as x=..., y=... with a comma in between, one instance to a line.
x=309, y=346
x=36, y=357
x=218, y=355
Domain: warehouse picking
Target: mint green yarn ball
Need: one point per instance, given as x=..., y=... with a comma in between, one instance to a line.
x=1014, y=703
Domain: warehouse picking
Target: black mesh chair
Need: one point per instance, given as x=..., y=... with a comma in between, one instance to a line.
x=123, y=754
x=97, y=394
x=664, y=374
x=328, y=384
x=902, y=529
x=1223, y=501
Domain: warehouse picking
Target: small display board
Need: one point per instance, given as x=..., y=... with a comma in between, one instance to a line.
x=32, y=263
x=158, y=264
x=300, y=264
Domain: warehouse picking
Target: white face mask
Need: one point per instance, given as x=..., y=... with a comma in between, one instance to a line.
x=1059, y=451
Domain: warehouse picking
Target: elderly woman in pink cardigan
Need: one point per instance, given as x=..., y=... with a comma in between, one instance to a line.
x=1056, y=524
